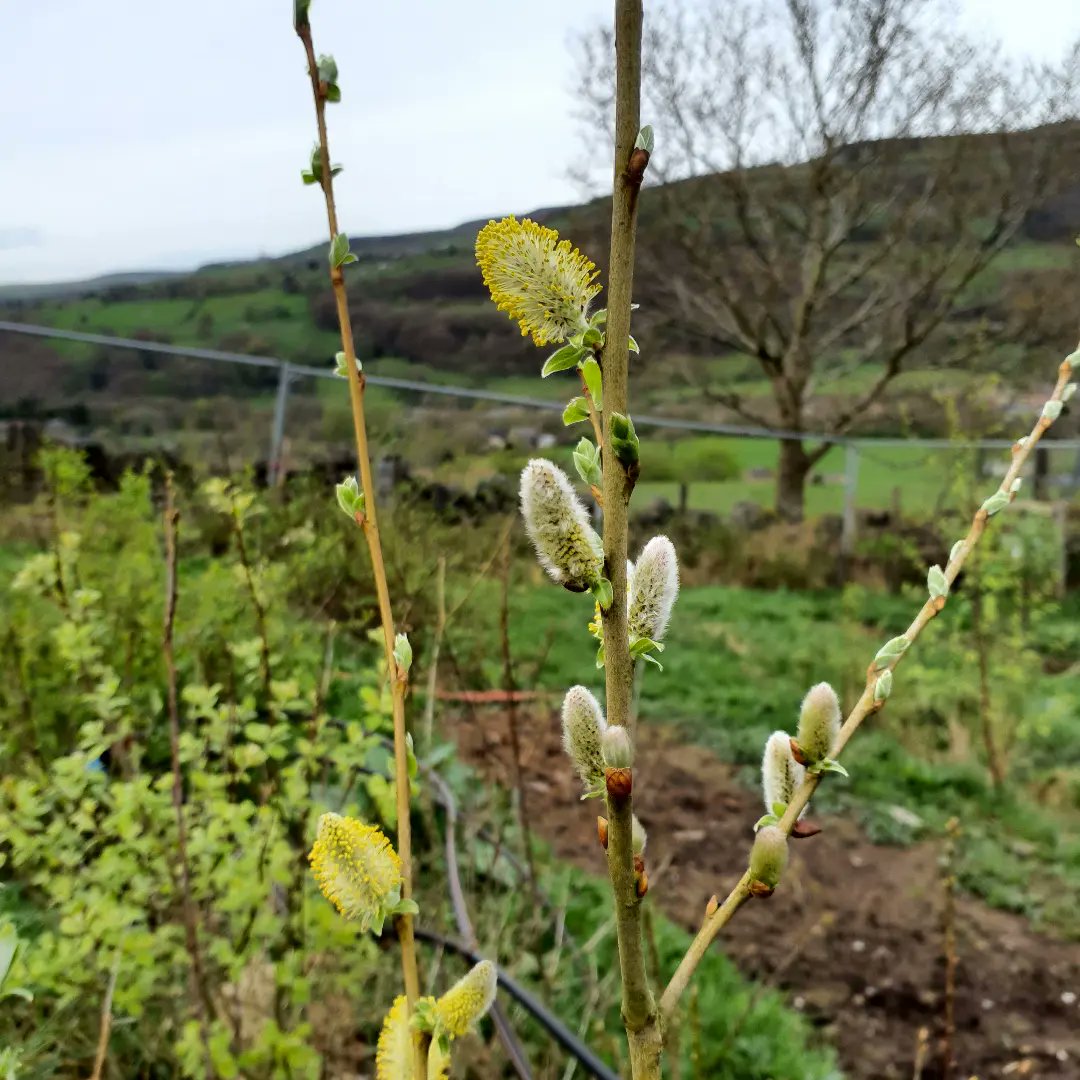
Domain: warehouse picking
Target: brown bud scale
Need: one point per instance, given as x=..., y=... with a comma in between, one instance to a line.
x=620, y=782
x=601, y=831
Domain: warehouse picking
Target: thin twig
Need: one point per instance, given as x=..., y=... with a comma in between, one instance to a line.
x=203, y=1004
x=865, y=706
x=106, y=1021
x=370, y=525
x=436, y=646
x=256, y=603
x=948, y=916
x=509, y=685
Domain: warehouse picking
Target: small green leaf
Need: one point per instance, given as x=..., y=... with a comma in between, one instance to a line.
x=590, y=373
x=327, y=69
x=644, y=140
x=883, y=686
x=592, y=338
x=576, y=410
x=333, y=92
x=779, y=809
x=624, y=440
x=339, y=251
x=342, y=370
x=308, y=177
x=829, y=765
x=602, y=591
x=599, y=317
x=936, y=582
x=766, y=819
x=587, y=463
x=349, y=496
x=600, y=657
x=998, y=501
x=633, y=345
x=890, y=651
x=567, y=357
x=955, y=551
x=402, y=652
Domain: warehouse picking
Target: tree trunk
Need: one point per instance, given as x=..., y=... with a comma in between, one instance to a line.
x=791, y=481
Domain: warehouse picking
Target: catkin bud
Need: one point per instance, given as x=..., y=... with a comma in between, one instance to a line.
x=617, y=749
x=653, y=590
x=819, y=723
x=638, y=837
x=781, y=774
x=583, y=730
x=768, y=858
x=356, y=869
x=558, y=525
x=463, y=1005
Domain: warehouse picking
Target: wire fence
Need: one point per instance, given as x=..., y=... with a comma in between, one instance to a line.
x=458, y=433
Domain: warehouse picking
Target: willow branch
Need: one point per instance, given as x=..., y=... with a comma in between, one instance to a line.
x=638, y=1006
x=716, y=920
x=370, y=526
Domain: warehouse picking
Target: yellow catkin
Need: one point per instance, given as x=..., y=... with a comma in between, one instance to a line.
x=467, y=1000
x=356, y=868
x=542, y=282
x=394, y=1054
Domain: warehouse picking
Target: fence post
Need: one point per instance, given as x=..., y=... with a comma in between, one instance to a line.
x=848, y=528
x=275, y=466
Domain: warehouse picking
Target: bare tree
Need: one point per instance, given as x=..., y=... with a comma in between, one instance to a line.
x=812, y=213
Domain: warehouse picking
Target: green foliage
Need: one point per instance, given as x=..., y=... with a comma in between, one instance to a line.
x=88, y=831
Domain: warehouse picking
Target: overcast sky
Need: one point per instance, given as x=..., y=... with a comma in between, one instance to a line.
x=158, y=133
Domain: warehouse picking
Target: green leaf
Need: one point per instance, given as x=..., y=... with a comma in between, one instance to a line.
x=587, y=463
x=624, y=440
x=592, y=338
x=633, y=345
x=300, y=13
x=998, y=501
x=890, y=651
x=936, y=583
x=308, y=177
x=566, y=357
x=9, y=945
x=883, y=686
x=828, y=765
x=779, y=809
x=339, y=251
x=341, y=370
x=600, y=657
x=403, y=652
x=602, y=591
x=644, y=140
x=410, y=756
x=599, y=317
x=766, y=819
x=327, y=69
x=590, y=374
x=577, y=409
x=333, y=92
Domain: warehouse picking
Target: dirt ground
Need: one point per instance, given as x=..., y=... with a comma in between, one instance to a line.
x=854, y=934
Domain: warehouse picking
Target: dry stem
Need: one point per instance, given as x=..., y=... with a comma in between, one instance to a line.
x=866, y=705
x=370, y=526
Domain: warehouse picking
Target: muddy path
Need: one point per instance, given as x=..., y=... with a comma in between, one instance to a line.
x=853, y=936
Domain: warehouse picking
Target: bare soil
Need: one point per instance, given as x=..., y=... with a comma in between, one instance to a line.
x=854, y=934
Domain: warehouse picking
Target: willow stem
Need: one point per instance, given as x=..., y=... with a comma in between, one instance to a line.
x=370, y=525
x=639, y=1012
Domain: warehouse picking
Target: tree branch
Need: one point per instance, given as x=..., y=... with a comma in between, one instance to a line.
x=865, y=706
x=370, y=524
